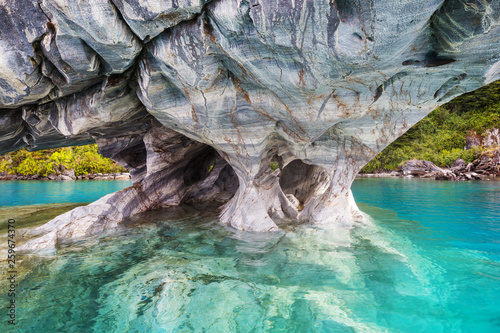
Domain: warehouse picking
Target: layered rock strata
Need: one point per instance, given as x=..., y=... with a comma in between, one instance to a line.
x=320, y=87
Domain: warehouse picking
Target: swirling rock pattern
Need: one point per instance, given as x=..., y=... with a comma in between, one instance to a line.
x=182, y=91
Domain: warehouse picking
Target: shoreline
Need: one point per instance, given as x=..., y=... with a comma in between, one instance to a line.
x=443, y=174
x=126, y=176
x=486, y=167
x=426, y=177
x=69, y=176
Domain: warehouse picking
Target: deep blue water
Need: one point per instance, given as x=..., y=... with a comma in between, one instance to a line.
x=426, y=260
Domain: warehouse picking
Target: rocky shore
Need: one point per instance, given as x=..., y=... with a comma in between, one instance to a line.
x=68, y=175
x=486, y=167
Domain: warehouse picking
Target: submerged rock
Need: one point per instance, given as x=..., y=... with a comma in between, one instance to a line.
x=196, y=98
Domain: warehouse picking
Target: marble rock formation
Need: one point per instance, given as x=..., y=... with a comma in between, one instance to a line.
x=198, y=97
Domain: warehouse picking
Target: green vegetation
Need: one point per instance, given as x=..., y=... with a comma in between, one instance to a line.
x=83, y=159
x=440, y=137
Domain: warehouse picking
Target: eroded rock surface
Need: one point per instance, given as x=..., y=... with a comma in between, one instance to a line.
x=197, y=97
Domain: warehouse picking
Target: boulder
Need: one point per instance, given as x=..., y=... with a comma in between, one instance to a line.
x=488, y=163
x=445, y=175
x=7, y=177
x=459, y=165
x=70, y=174
x=418, y=168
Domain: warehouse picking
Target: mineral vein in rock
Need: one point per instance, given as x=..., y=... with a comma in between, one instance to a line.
x=197, y=97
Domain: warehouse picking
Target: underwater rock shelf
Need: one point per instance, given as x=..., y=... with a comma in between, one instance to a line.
x=196, y=98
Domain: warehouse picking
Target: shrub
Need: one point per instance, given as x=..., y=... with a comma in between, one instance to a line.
x=84, y=159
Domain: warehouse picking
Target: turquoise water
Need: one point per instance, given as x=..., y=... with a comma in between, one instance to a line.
x=428, y=260
x=26, y=192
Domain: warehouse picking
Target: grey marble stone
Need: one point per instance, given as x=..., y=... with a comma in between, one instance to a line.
x=148, y=19
x=318, y=86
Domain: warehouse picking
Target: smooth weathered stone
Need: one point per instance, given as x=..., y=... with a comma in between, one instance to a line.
x=148, y=19
x=69, y=62
x=409, y=167
x=99, y=25
x=320, y=87
x=112, y=102
x=41, y=133
x=21, y=81
x=167, y=169
x=12, y=130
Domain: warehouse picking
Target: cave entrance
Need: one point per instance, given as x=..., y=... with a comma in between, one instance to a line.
x=300, y=182
x=208, y=177
x=199, y=167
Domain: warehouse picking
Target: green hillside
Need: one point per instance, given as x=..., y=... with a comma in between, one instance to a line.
x=440, y=137
x=83, y=159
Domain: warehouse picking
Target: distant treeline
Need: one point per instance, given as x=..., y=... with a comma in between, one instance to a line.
x=441, y=136
x=83, y=159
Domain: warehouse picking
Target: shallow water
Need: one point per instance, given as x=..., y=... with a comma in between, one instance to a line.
x=428, y=260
